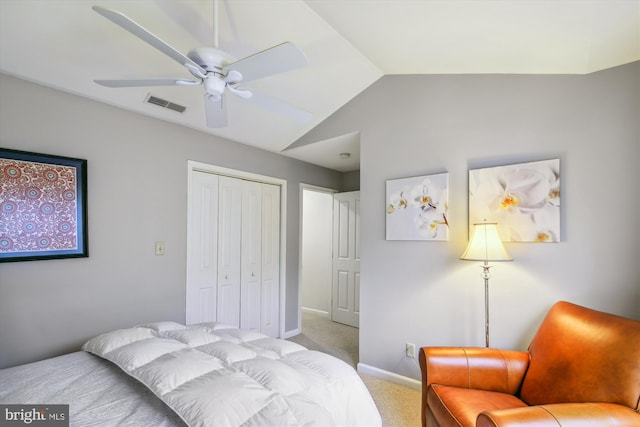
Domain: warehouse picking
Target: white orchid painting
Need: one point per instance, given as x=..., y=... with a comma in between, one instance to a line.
x=524, y=199
x=417, y=208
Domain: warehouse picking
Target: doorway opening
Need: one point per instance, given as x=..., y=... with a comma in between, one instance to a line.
x=316, y=251
x=316, y=275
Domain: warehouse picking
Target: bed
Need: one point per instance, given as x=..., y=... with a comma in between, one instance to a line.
x=168, y=374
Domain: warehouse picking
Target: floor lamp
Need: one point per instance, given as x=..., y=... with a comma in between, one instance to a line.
x=485, y=245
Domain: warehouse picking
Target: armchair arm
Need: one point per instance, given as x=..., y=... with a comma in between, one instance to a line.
x=469, y=367
x=479, y=368
x=567, y=414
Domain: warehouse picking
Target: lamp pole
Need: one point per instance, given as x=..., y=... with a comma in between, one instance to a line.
x=486, y=275
x=485, y=245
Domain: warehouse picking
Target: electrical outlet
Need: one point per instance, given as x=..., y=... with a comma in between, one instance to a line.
x=410, y=350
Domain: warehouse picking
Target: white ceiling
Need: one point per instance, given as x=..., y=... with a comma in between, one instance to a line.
x=349, y=44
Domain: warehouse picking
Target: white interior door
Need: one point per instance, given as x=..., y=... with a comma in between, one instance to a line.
x=346, y=259
x=202, y=256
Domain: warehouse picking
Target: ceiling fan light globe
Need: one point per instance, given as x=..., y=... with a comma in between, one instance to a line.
x=214, y=85
x=214, y=97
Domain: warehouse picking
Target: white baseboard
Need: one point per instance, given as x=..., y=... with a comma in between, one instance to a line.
x=314, y=311
x=389, y=376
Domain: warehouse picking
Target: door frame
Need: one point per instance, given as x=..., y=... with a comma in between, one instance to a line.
x=194, y=166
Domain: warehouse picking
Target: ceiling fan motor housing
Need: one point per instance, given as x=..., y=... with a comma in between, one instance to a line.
x=211, y=59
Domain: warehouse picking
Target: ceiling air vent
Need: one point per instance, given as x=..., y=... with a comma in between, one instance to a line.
x=165, y=104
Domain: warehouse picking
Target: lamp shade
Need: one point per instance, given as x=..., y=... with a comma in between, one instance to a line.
x=485, y=244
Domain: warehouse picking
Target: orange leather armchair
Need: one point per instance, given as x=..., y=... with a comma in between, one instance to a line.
x=582, y=369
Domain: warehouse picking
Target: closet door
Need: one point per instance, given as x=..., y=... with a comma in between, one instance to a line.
x=202, y=256
x=233, y=252
x=270, y=312
x=251, y=258
x=229, y=232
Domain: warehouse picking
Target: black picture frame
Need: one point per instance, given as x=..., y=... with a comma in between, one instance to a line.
x=43, y=206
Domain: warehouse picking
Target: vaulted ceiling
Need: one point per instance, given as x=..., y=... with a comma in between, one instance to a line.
x=349, y=44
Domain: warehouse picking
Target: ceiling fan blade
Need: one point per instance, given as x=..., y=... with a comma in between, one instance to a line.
x=282, y=108
x=142, y=33
x=215, y=108
x=277, y=59
x=147, y=82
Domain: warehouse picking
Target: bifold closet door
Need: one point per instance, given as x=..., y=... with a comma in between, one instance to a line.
x=260, y=290
x=229, y=234
x=270, y=310
x=202, y=251
x=251, y=259
x=233, y=254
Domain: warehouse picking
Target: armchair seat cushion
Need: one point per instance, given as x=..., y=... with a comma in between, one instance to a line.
x=561, y=414
x=455, y=406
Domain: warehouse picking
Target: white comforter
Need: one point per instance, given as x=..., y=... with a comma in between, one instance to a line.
x=211, y=375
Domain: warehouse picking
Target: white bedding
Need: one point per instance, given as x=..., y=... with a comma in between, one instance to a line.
x=97, y=391
x=211, y=375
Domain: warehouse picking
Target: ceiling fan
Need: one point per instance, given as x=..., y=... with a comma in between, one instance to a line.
x=217, y=71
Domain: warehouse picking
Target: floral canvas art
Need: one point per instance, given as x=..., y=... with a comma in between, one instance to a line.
x=417, y=208
x=524, y=199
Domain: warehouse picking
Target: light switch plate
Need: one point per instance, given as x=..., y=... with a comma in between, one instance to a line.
x=159, y=247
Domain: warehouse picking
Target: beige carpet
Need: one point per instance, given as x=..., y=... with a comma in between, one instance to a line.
x=399, y=406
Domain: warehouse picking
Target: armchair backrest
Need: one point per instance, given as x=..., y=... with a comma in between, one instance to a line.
x=583, y=355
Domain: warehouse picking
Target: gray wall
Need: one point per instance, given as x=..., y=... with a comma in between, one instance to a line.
x=411, y=291
x=351, y=181
x=137, y=169
x=421, y=292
